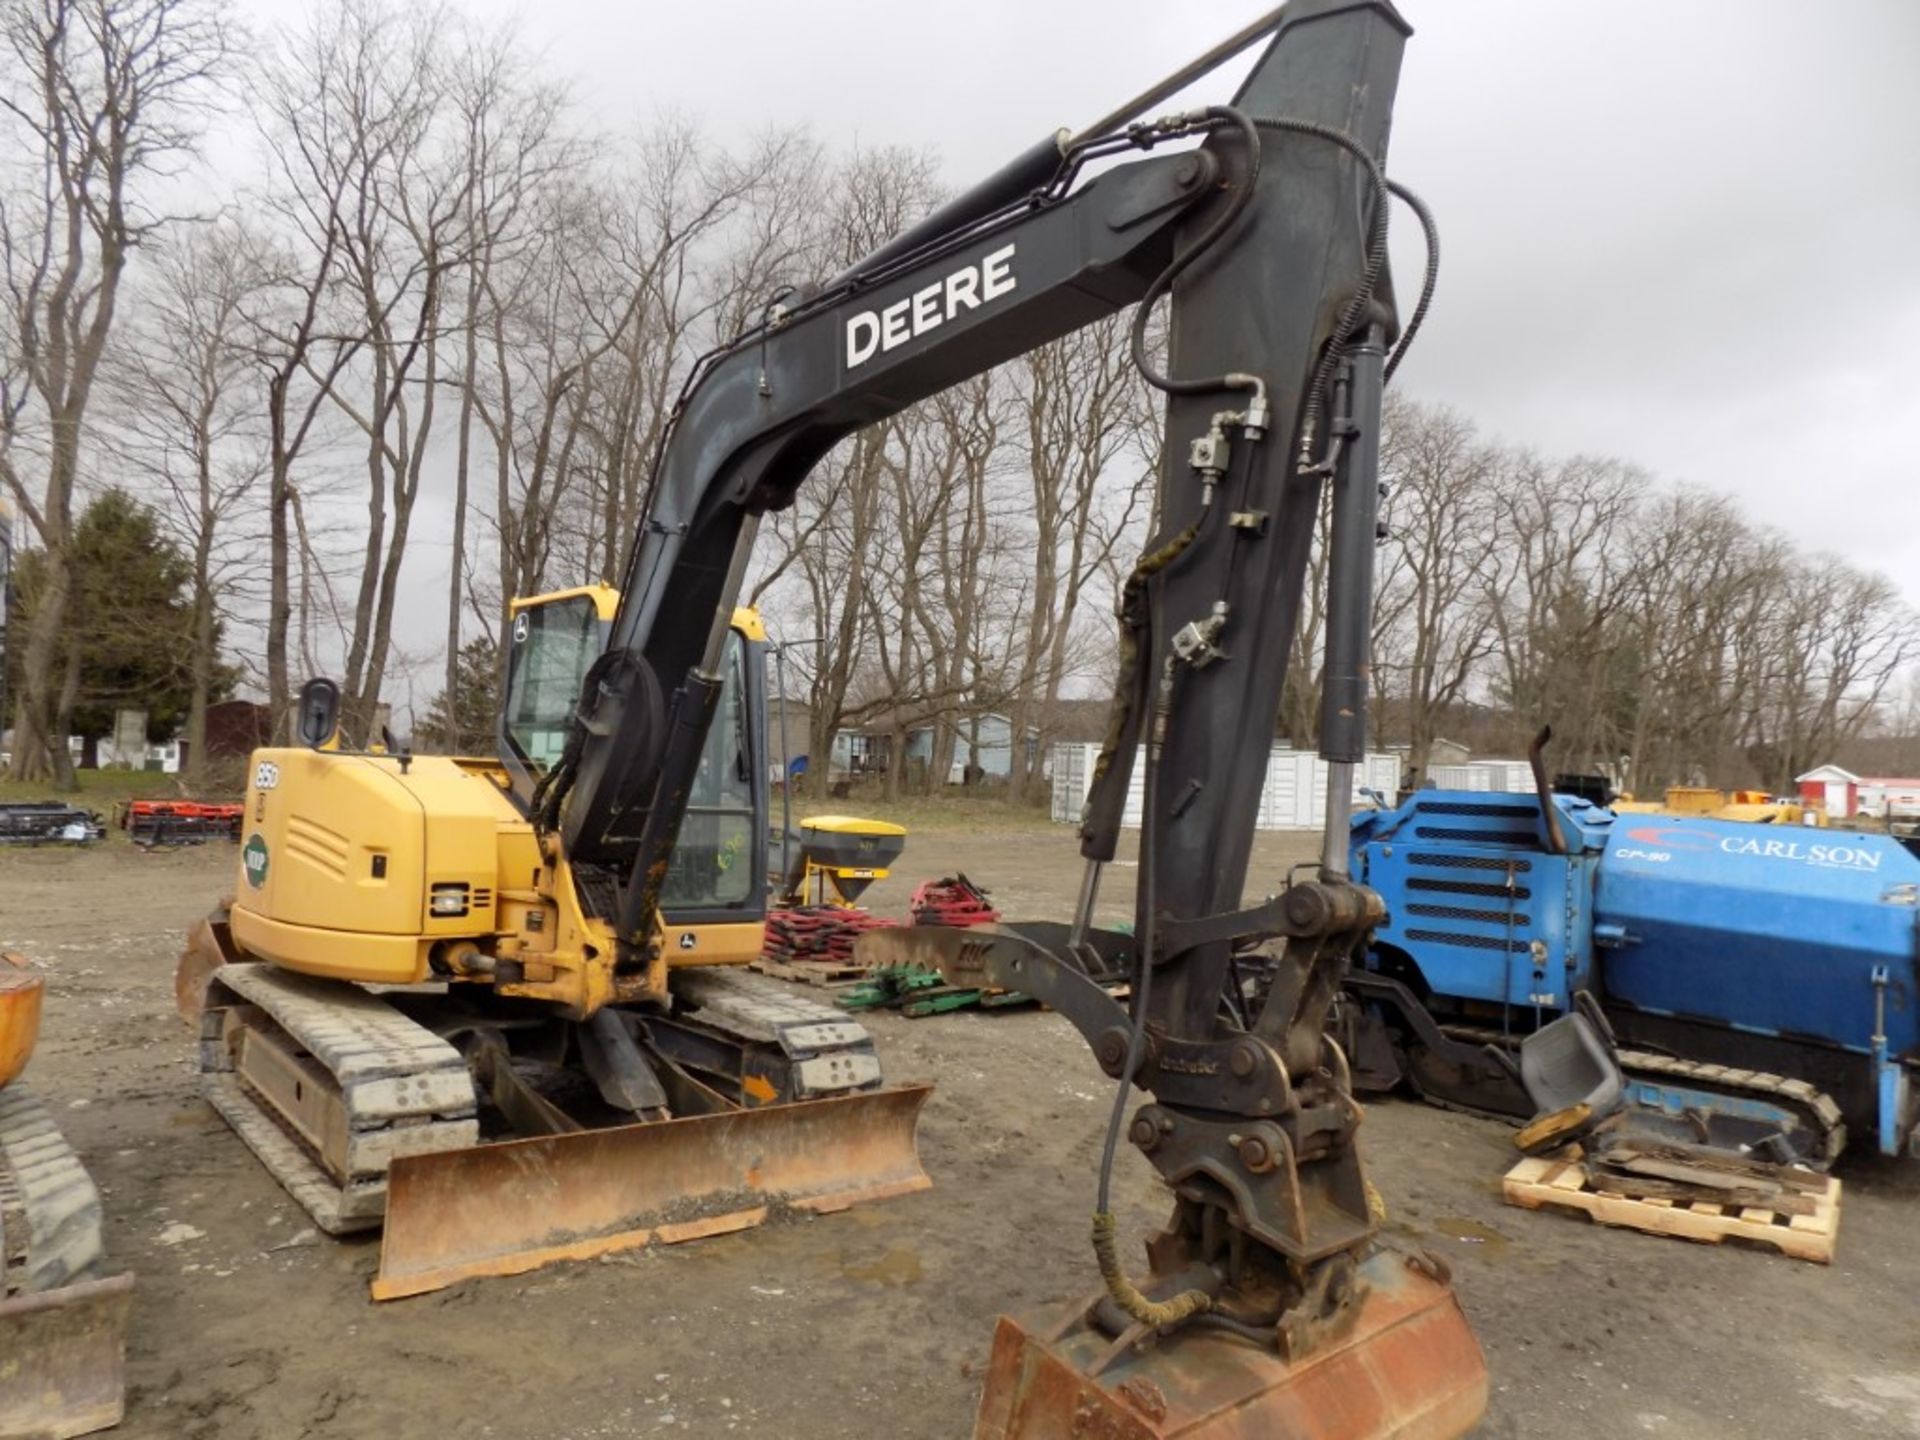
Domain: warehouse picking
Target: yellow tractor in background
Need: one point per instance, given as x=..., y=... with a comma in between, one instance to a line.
x=1709, y=803
x=411, y=972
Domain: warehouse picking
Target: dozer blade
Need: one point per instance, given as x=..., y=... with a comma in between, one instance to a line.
x=507, y=1208
x=1409, y=1368
x=63, y=1360
x=209, y=946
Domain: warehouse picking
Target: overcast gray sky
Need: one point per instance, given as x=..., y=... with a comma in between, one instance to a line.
x=1683, y=232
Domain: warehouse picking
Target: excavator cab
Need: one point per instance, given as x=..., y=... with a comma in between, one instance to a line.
x=717, y=880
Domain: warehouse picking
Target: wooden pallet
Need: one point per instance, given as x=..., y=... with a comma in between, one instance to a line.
x=809, y=972
x=1559, y=1180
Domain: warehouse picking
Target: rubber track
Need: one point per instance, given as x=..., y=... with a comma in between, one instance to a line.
x=756, y=1008
x=49, y=1192
x=406, y=1090
x=1798, y=1095
x=832, y=1052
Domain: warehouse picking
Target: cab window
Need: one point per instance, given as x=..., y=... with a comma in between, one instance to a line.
x=713, y=862
x=551, y=647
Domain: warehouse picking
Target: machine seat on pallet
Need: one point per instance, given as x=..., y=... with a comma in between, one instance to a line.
x=1572, y=1077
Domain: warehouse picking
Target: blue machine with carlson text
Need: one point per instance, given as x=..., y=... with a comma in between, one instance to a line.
x=1761, y=978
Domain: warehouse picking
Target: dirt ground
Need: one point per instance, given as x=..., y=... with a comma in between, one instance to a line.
x=874, y=1322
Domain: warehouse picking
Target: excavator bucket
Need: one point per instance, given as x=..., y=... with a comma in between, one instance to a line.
x=1408, y=1368
x=63, y=1359
x=507, y=1208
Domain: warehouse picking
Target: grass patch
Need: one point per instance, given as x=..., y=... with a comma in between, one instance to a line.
x=99, y=789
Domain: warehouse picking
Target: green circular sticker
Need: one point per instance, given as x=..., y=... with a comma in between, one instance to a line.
x=253, y=859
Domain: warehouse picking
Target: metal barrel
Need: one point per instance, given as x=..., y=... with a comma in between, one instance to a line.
x=63, y=1359
x=508, y=1208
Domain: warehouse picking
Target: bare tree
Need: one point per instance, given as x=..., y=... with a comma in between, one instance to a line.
x=1437, y=571
x=190, y=419
x=401, y=238
x=100, y=98
x=825, y=546
x=1086, y=415
x=304, y=330
x=1839, y=638
x=1558, y=611
x=513, y=144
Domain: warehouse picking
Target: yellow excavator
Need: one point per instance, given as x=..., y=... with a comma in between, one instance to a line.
x=452, y=946
x=409, y=970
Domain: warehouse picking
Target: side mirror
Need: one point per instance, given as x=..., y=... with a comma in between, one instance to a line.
x=319, y=712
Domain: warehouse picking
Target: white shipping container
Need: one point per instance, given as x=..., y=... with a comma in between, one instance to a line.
x=1505, y=777
x=1512, y=777
x=1293, y=793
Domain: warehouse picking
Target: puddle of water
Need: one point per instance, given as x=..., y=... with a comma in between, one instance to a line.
x=1470, y=1232
x=897, y=1266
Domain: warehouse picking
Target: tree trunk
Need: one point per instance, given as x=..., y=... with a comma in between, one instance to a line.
x=201, y=678
x=40, y=744
x=456, y=562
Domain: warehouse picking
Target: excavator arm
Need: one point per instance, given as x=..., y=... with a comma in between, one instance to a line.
x=1267, y=240
x=1030, y=255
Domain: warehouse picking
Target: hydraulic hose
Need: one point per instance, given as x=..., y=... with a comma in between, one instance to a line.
x=1431, y=229
x=1216, y=115
x=1125, y=1293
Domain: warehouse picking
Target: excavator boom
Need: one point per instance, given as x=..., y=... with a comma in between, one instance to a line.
x=1267, y=240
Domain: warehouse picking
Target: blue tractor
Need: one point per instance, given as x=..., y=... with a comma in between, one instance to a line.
x=1761, y=979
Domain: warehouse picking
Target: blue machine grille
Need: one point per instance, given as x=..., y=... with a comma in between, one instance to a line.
x=1459, y=912
x=1468, y=887
x=1470, y=862
x=1468, y=941
x=1471, y=891
x=1475, y=837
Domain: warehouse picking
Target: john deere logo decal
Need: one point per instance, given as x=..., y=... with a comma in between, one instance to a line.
x=253, y=859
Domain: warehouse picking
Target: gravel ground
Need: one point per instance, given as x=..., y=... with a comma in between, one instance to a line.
x=876, y=1322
